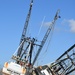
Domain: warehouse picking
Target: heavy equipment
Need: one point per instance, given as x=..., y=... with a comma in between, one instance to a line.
x=15, y=67
x=22, y=62
x=65, y=64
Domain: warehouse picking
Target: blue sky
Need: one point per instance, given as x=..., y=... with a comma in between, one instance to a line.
x=12, y=17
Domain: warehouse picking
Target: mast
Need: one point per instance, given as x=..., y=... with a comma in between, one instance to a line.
x=25, y=28
x=46, y=36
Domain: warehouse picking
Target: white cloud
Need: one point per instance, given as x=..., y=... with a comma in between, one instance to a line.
x=72, y=25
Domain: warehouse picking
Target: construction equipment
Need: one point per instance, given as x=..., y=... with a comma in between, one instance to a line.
x=65, y=64
x=15, y=67
x=25, y=29
x=46, y=35
x=25, y=49
x=22, y=62
x=27, y=44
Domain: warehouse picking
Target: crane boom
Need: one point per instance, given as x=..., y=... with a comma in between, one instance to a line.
x=25, y=28
x=46, y=36
x=65, y=64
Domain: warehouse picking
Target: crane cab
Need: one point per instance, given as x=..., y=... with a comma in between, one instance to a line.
x=13, y=68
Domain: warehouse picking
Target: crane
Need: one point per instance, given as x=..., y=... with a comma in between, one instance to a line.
x=24, y=55
x=46, y=36
x=25, y=29
x=65, y=64
x=17, y=65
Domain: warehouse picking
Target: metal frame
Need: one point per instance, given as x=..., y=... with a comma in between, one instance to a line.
x=65, y=64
